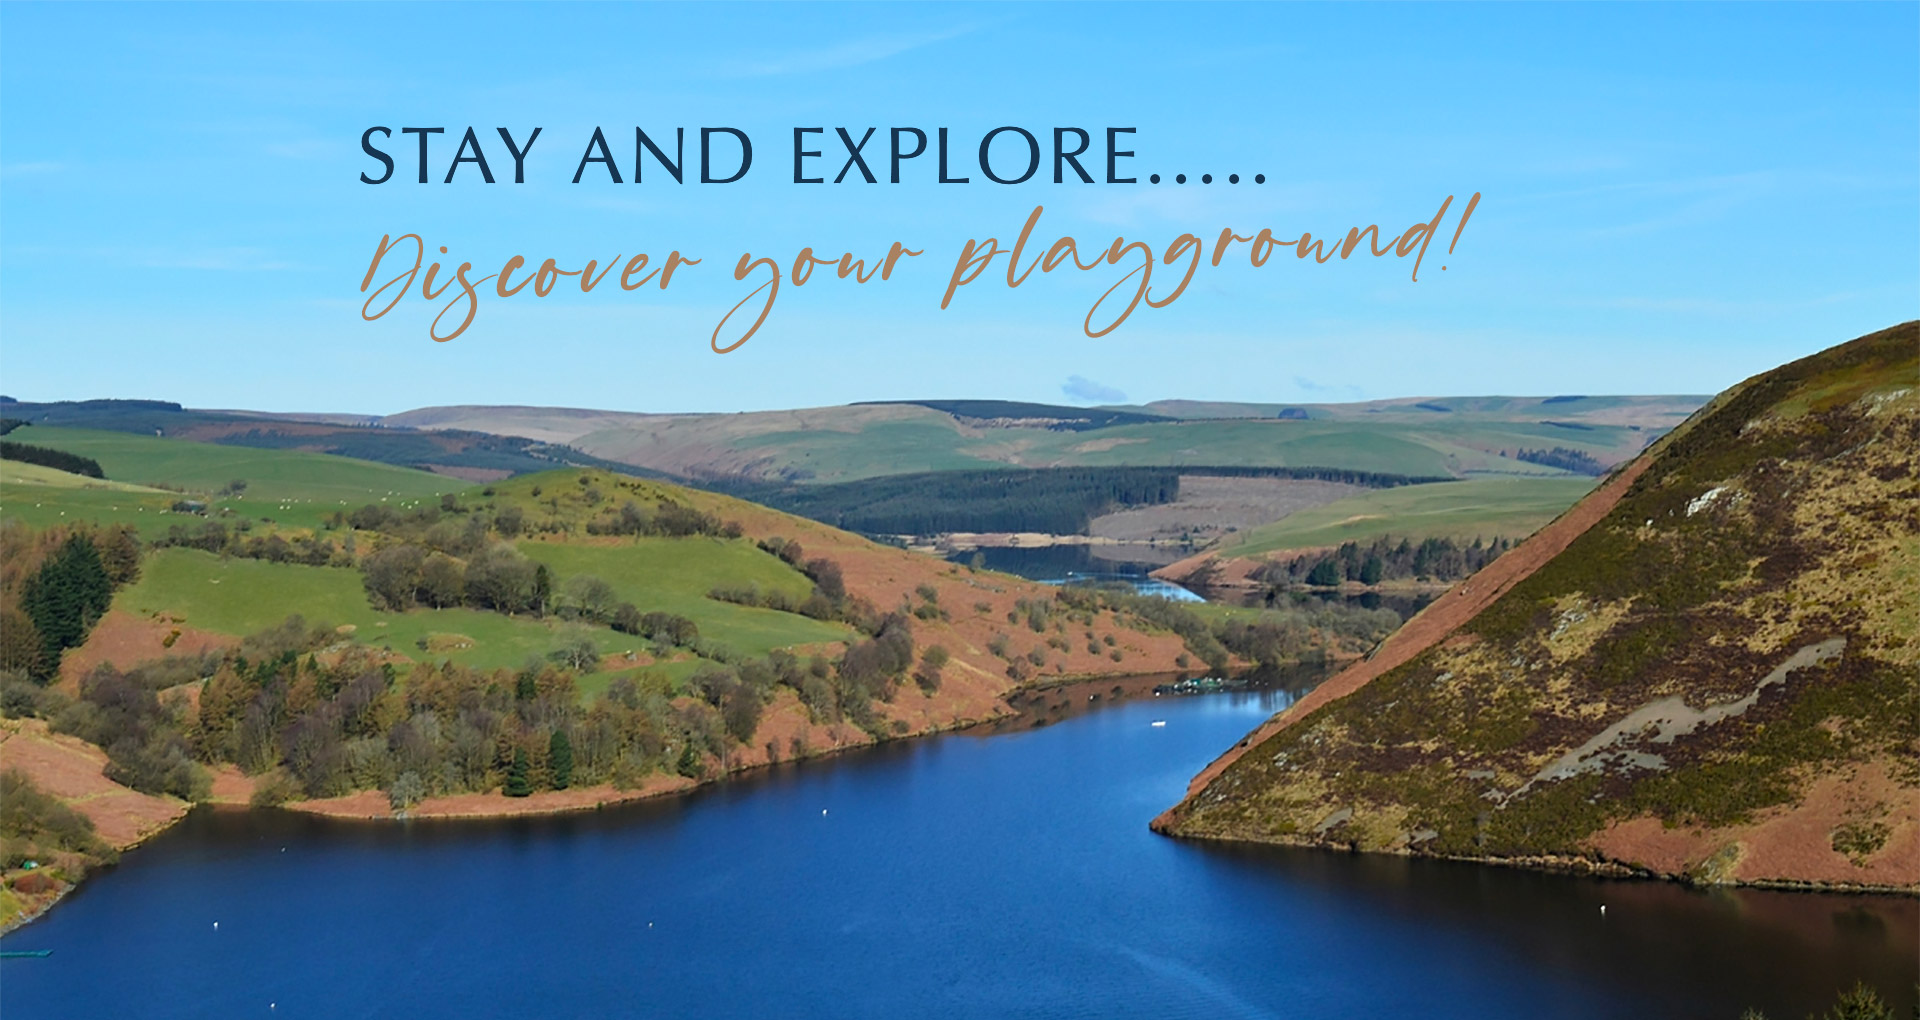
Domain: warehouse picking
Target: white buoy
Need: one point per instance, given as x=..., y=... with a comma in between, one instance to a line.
x=216, y=926
x=823, y=812
x=1603, y=910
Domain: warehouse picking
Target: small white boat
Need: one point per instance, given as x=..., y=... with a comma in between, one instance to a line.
x=1159, y=723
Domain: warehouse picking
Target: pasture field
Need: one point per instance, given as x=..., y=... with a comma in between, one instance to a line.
x=43, y=497
x=1477, y=508
x=286, y=487
x=241, y=596
x=673, y=575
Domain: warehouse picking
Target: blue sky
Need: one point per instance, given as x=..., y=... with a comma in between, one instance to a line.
x=1675, y=197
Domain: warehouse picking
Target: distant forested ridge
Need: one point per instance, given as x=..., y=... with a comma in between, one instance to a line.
x=1577, y=461
x=1051, y=416
x=1059, y=501
x=1385, y=559
x=59, y=460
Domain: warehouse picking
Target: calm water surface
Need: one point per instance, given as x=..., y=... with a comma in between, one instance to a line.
x=1009, y=875
x=1077, y=564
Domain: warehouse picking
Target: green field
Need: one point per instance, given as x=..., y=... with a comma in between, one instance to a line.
x=1479, y=508
x=673, y=575
x=44, y=497
x=241, y=596
x=288, y=487
x=294, y=489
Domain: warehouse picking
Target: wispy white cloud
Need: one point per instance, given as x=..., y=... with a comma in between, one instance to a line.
x=1079, y=387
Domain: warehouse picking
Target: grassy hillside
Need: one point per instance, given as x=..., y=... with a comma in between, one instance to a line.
x=1479, y=508
x=1719, y=677
x=289, y=541
x=289, y=487
x=236, y=597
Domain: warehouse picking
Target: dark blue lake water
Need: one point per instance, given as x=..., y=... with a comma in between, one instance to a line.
x=1006, y=875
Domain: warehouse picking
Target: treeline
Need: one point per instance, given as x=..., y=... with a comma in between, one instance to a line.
x=1059, y=501
x=1385, y=559
x=310, y=716
x=1303, y=631
x=54, y=585
x=667, y=519
x=828, y=600
x=1056, y=500
x=59, y=460
x=1579, y=462
x=220, y=538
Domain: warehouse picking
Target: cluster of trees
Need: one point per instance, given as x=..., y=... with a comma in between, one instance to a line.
x=1579, y=462
x=54, y=585
x=1054, y=500
x=1057, y=500
x=1302, y=630
x=36, y=826
x=217, y=537
x=827, y=600
x=496, y=577
x=312, y=719
x=59, y=460
x=1385, y=559
x=667, y=519
x=1305, y=630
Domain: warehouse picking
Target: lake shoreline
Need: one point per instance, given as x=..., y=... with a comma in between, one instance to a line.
x=233, y=790
x=1555, y=864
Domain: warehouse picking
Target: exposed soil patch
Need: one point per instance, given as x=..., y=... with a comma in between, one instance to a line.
x=1789, y=844
x=74, y=771
x=124, y=640
x=492, y=804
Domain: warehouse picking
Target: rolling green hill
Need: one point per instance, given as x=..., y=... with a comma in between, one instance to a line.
x=1478, y=508
x=1458, y=436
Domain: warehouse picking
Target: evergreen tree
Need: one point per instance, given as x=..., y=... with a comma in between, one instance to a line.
x=1326, y=573
x=542, y=589
x=1371, y=571
x=560, y=757
x=517, y=784
x=66, y=596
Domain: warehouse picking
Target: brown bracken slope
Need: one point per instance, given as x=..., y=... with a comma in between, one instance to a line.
x=1709, y=668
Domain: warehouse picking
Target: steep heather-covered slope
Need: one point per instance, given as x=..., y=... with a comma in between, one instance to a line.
x=1710, y=668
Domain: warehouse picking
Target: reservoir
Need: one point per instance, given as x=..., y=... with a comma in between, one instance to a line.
x=993, y=873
